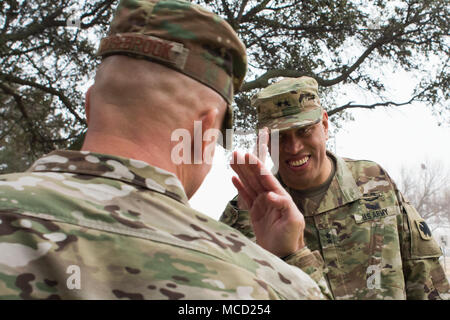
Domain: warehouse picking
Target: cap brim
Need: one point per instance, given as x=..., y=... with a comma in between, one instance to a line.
x=297, y=120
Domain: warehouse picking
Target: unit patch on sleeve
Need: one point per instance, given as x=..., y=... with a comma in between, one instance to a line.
x=424, y=231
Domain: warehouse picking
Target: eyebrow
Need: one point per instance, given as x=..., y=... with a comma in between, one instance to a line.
x=303, y=129
x=306, y=128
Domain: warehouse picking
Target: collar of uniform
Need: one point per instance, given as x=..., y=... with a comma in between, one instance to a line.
x=343, y=188
x=131, y=171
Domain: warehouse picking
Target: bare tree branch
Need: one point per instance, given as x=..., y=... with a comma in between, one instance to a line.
x=23, y=111
x=36, y=28
x=50, y=90
x=371, y=106
x=427, y=188
x=241, y=11
x=229, y=14
x=253, y=11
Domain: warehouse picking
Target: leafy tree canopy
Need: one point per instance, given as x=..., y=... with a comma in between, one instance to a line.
x=47, y=52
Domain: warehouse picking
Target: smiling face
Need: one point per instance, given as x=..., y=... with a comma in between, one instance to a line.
x=303, y=161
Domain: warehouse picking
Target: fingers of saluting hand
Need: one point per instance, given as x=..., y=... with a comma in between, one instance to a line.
x=243, y=195
x=277, y=223
x=263, y=207
x=272, y=200
x=254, y=176
x=244, y=186
x=248, y=173
x=261, y=148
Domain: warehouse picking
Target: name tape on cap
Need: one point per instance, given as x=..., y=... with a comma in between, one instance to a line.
x=170, y=52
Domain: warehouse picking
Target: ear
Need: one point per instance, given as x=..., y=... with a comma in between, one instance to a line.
x=209, y=132
x=87, y=103
x=203, y=140
x=325, y=123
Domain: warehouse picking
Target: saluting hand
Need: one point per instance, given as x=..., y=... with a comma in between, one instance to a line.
x=260, y=151
x=276, y=220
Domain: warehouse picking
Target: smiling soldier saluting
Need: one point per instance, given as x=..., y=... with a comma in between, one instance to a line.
x=374, y=244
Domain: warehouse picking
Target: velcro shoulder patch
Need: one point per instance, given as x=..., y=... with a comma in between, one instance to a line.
x=422, y=243
x=424, y=231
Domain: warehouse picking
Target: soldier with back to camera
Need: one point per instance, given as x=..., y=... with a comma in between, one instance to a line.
x=112, y=221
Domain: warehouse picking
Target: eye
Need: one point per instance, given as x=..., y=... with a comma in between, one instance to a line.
x=304, y=132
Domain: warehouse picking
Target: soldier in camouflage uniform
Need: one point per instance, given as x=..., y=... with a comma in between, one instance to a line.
x=374, y=244
x=113, y=221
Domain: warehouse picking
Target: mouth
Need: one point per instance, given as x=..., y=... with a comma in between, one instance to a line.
x=298, y=163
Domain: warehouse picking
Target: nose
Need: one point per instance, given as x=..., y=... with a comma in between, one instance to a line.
x=291, y=144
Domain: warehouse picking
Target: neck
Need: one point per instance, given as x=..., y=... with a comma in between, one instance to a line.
x=155, y=154
x=327, y=171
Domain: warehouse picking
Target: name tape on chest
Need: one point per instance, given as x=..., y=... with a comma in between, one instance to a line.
x=374, y=214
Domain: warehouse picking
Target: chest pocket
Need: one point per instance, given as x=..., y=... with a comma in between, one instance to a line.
x=377, y=225
x=372, y=230
x=378, y=231
x=366, y=261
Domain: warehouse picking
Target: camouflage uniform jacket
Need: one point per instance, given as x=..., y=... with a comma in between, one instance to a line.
x=80, y=225
x=374, y=243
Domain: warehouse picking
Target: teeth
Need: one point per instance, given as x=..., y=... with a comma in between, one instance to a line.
x=299, y=162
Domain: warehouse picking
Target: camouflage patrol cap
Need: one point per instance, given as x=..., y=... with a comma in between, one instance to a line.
x=182, y=36
x=289, y=103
